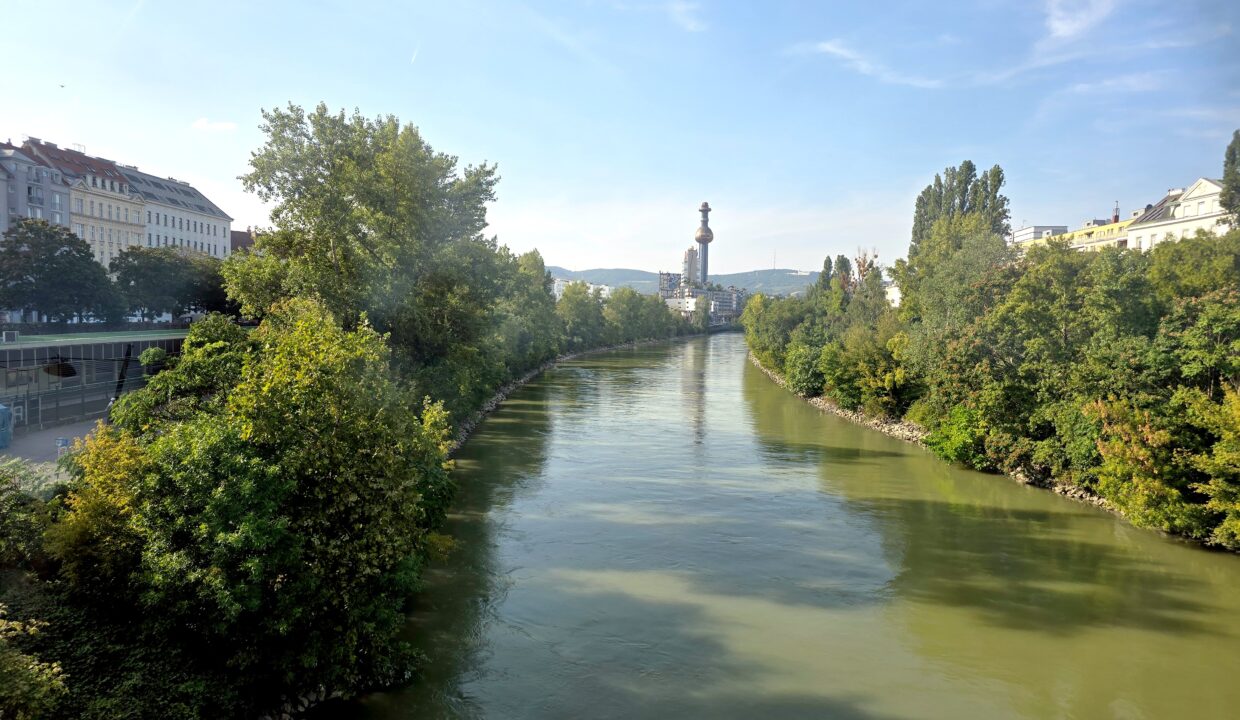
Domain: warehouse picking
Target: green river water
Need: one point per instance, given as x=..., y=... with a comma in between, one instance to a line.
x=664, y=532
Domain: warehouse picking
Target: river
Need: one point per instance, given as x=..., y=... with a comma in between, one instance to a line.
x=664, y=532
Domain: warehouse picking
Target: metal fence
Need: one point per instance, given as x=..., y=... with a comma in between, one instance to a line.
x=50, y=384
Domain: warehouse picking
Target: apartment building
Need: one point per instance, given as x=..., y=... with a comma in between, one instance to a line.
x=30, y=188
x=1181, y=213
x=176, y=214
x=103, y=210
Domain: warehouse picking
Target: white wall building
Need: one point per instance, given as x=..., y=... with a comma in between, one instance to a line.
x=1034, y=232
x=558, y=285
x=178, y=215
x=685, y=305
x=1180, y=214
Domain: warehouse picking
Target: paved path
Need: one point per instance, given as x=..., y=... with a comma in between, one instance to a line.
x=40, y=445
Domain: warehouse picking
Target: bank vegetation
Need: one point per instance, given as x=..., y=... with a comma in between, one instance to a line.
x=1116, y=372
x=250, y=527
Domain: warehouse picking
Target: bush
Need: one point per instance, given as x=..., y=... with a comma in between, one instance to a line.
x=801, y=370
x=960, y=438
x=22, y=517
x=29, y=688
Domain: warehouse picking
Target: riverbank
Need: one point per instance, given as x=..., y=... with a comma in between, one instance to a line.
x=470, y=424
x=915, y=434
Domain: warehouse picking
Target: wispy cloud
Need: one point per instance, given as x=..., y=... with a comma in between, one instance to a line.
x=859, y=63
x=1057, y=101
x=1134, y=82
x=131, y=14
x=1068, y=19
x=686, y=15
x=572, y=41
x=205, y=125
x=1190, y=39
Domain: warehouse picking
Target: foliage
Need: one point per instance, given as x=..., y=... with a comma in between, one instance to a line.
x=1115, y=370
x=171, y=280
x=29, y=688
x=1229, y=198
x=960, y=191
x=46, y=268
x=22, y=517
x=581, y=313
x=960, y=438
x=801, y=370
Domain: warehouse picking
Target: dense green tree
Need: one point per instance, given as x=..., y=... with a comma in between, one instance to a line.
x=152, y=280
x=1229, y=198
x=46, y=268
x=1116, y=370
x=1195, y=266
x=268, y=501
x=29, y=688
x=581, y=313
x=960, y=191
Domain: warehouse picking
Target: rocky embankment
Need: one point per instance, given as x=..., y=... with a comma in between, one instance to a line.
x=913, y=433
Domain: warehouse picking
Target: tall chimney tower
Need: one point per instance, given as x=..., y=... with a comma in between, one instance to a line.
x=703, y=237
x=1115, y=215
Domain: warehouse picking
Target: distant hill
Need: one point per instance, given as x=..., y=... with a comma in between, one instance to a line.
x=771, y=282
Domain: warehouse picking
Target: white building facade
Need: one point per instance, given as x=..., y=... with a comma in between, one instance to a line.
x=1037, y=232
x=176, y=214
x=1180, y=214
x=558, y=285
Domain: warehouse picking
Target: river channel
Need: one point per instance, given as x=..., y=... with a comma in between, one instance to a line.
x=664, y=532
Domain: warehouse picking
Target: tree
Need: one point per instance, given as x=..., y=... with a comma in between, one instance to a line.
x=1229, y=198
x=29, y=688
x=273, y=526
x=153, y=281
x=959, y=191
x=581, y=313
x=48, y=269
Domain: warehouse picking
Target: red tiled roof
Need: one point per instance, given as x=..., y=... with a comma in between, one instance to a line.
x=74, y=163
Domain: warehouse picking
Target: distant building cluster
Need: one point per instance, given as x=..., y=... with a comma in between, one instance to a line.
x=1179, y=214
x=558, y=285
x=690, y=291
x=109, y=205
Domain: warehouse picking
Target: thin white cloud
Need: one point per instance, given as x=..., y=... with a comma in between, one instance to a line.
x=1068, y=19
x=859, y=63
x=205, y=125
x=1192, y=39
x=131, y=14
x=574, y=42
x=1135, y=82
x=686, y=15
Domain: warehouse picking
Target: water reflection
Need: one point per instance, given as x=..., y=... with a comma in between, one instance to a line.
x=663, y=532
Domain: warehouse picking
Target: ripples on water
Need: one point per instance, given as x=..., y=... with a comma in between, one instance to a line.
x=663, y=532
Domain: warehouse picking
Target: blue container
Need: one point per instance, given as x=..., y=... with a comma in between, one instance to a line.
x=6, y=426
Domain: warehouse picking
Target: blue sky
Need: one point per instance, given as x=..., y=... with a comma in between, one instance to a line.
x=809, y=126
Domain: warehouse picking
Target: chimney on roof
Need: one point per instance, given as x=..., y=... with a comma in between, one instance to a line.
x=79, y=147
x=1115, y=215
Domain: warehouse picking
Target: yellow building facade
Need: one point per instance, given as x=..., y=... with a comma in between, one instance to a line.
x=103, y=209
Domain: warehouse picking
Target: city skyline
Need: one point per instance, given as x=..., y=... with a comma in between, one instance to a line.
x=610, y=121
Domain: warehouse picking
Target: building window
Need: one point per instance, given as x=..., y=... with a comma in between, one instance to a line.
x=55, y=217
x=79, y=230
x=92, y=208
x=148, y=218
x=79, y=206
